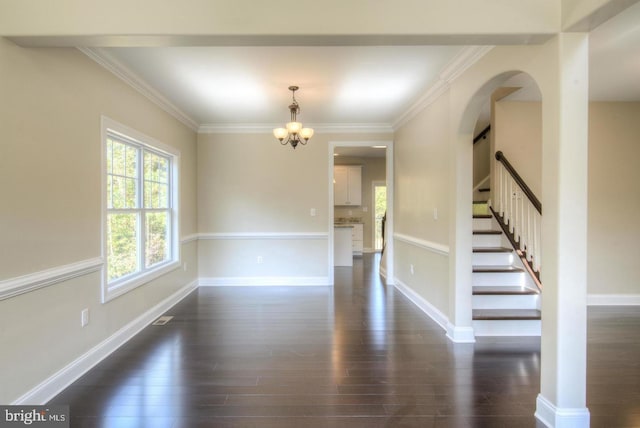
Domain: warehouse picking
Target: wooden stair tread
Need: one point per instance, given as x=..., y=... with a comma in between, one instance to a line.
x=511, y=290
x=492, y=250
x=487, y=232
x=486, y=189
x=480, y=202
x=506, y=314
x=497, y=269
x=482, y=216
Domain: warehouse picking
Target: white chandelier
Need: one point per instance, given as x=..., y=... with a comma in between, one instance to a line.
x=293, y=133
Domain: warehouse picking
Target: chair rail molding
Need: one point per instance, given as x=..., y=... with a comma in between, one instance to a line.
x=26, y=283
x=422, y=243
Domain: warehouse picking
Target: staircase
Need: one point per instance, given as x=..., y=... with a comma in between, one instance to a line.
x=505, y=298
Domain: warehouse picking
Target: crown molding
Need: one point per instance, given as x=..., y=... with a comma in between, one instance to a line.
x=136, y=82
x=468, y=56
x=267, y=128
x=458, y=65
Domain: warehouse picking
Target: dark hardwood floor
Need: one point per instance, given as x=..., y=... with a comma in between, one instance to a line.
x=357, y=355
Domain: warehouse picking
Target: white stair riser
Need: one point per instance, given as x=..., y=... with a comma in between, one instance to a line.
x=482, y=224
x=492, y=259
x=526, y=301
x=483, y=241
x=498, y=278
x=507, y=328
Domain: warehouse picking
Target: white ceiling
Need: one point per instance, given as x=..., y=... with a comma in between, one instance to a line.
x=614, y=66
x=248, y=85
x=339, y=85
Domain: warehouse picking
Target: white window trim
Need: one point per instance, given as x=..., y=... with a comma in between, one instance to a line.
x=118, y=288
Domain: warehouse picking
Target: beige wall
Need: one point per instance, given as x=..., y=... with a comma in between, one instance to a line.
x=614, y=198
x=518, y=134
x=52, y=103
x=250, y=186
x=421, y=169
x=373, y=169
x=481, y=160
x=421, y=155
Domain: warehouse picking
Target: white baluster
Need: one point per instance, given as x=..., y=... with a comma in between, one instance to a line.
x=528, y=242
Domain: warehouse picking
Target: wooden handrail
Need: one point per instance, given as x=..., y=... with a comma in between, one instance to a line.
x=527, y=191
x=482, y=134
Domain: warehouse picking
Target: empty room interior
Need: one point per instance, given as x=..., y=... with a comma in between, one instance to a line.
x=322, y=214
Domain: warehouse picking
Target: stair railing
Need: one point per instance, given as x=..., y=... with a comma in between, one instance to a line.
x=519, y=211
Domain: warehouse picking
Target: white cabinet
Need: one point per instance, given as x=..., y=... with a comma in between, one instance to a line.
x=347, y=185
x=342, y=245
x=357, y=238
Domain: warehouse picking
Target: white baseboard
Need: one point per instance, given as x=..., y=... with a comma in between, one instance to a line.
x=426, y=307
x=461, y=334
x=64, y=377
x=613, y=300
x=454, y=333
x=264, y=281
x=555, y=417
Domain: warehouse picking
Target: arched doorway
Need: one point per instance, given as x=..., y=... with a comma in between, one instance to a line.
x=560, y=70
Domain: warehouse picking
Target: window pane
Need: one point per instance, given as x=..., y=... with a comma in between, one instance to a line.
x=121, y=192
x=131, y=168
x=163, y=170
x=109, y=156
x=156, y=181
x=157, y=238
x=156, y=168
x=109, y=191
x=122, y=250
x=118, y=158
x=163, y=196
x=156, y=195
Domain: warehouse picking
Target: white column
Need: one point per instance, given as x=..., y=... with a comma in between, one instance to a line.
x=460, y=327
x=562, y=399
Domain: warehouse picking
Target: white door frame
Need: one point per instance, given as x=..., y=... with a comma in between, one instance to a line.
x=374, y=184
x=388, y=252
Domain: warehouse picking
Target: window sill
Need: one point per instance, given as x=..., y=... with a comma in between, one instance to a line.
x=112, y=291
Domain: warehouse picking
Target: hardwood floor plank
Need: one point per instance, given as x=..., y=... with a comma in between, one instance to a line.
x=359, y=354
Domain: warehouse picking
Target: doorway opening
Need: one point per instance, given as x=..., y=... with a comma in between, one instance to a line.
x=379, y=214
x=364, y=211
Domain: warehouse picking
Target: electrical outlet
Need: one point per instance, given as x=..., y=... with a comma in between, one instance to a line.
x=411, y=269
x=313, y=212
x=435, y=213
x=259, y=261
x=84, y=317
x=365, y=209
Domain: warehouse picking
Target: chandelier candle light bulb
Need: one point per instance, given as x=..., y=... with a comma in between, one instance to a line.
x=294, y=133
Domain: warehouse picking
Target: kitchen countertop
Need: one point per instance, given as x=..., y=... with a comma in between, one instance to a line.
x=347, y=220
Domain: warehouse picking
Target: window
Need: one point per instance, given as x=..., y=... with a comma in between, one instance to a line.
x=140, y=218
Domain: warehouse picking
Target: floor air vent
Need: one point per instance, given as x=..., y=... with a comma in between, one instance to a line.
x=162, y=320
